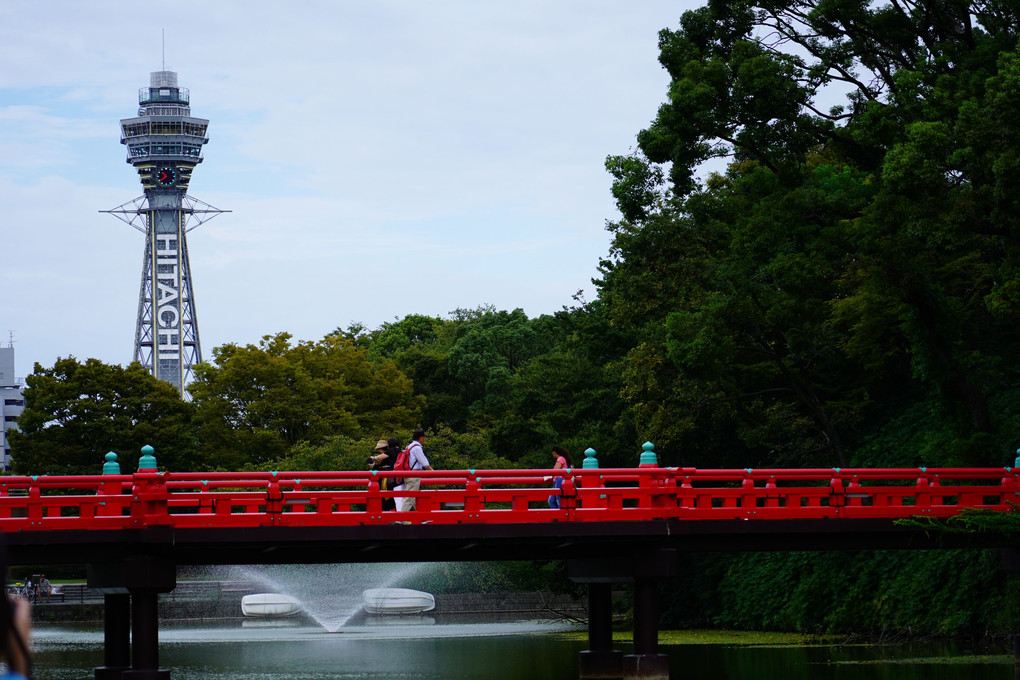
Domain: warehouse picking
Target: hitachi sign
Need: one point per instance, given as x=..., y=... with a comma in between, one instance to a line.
x=168, y=298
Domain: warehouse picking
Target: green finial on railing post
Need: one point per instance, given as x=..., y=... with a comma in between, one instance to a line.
x=648, y=456
x=590, y=461
x=1016, y=463
x=111, y=466
x=147, y=462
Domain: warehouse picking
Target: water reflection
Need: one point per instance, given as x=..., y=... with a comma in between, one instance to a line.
x=422, y=649
x=441, y=650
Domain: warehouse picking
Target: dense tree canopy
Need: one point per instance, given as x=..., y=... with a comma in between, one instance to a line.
x=856, y=257
x=523, y=383
x=77, y=412
x=254, y=403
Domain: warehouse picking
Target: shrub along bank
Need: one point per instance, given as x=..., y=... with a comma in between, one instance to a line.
x=877, y=593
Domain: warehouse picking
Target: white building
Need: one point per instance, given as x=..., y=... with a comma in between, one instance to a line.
x=12, y=402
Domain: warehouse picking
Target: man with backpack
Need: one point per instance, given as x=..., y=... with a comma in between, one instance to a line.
x=416, y=460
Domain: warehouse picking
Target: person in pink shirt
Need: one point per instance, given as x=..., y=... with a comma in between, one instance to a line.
x=562, y=459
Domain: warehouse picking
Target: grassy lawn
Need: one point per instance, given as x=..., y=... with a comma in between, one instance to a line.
x=720, y=637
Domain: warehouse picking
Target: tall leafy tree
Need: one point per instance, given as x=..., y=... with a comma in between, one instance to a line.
x=256, y=402
x=76, y=412
x=866, y=220
x=569, y=394
x=490, y=348
x=740, y=281
x=419, y=346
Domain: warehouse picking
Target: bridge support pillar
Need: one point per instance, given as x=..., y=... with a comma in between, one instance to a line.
x=600, y=660
x=644, y=570
x=116, y=636
x=145, y=638
x=133, y=584
x=646, y=663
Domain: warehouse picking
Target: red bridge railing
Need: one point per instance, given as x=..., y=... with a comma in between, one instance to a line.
x=248, y=499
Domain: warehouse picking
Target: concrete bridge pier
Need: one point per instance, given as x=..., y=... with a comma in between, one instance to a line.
x=646, y=663
x=644, y=571
x=131, y=590
x=600, y=661
x=116, y=636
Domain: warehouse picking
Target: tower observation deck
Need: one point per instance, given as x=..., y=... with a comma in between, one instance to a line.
x=164, y=144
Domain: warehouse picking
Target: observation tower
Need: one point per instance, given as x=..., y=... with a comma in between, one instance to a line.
x=164, y=144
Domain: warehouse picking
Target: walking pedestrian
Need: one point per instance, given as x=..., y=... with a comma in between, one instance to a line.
x=417, y=461
x=562, y=459
x=383, y=461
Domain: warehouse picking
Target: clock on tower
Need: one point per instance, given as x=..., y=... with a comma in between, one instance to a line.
x=166, y=176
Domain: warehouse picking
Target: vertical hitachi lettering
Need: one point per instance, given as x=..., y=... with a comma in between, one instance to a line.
x=164, y=144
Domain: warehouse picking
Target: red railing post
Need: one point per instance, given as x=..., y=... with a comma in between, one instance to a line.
x=685, y=495
x=589, y=481
x=373, y=505
x=935, y=498
x=748, y=496
x=149, y=499
x=837, y=492
x=854, y=496
x=568, y=494
x=647, y=483
x=771, y=493
x=205, y=500
x=274, y=500
x=472, y=497
x=35, y=508
x=922, y=497
x=5, y=509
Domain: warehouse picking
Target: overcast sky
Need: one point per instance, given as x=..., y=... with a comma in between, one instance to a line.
x=379, y=158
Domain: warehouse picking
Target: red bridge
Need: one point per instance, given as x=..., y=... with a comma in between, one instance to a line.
x=613, y=525
x=240, y=517
x=249, y=499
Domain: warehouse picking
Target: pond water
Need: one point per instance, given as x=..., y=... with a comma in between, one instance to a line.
x=430, y=649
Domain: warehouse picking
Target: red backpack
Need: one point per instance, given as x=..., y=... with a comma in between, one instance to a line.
x=402, y=464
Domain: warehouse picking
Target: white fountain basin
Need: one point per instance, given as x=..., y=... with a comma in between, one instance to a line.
x=266, y=605
x=398, y=601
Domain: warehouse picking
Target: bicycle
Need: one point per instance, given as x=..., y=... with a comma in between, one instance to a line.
x=21, y=590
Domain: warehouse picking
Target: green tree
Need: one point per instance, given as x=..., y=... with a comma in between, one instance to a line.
x=414, y=330
x=569, y=394
x=490, y=347
x=77, y=412
x=256, y=402
x=862, y=242
x=741, y=281
x=522, y=384
x=420, y=346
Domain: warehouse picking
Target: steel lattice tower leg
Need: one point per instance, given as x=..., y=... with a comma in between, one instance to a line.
x=166, y=335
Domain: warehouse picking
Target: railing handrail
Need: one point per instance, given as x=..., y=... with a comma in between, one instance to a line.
x=651, y=471
x=348, y=498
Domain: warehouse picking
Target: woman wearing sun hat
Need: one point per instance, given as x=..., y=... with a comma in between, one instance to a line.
x=382, y=460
